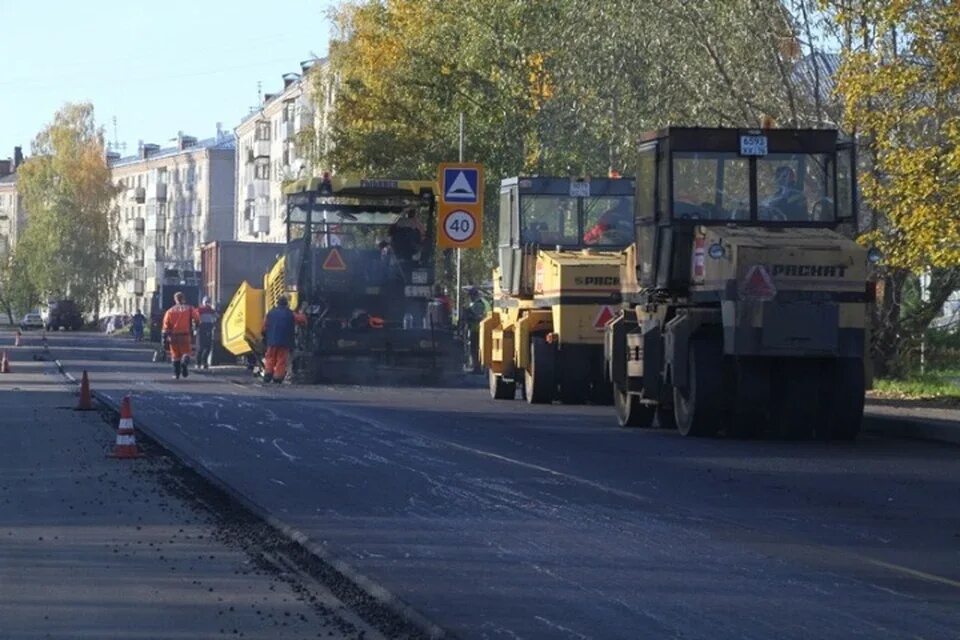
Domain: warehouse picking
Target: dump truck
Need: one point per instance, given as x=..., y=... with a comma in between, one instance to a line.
x=745, y=300
x=359, y=262
x=556, y=286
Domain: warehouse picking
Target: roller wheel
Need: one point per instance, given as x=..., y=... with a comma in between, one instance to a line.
x=630, y=411
x=844, y=398
x=601, y=392
x=500, y=389
x=795, y=394
x=574, y=381
x=666, y=418
x=749, y=414
x=699, y=410
x=539, y=379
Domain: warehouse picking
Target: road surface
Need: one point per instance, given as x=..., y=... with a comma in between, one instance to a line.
x=495, y=519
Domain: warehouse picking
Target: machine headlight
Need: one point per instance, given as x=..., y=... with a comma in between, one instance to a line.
x=716, y=251
x=420, y=276
x=874, y=255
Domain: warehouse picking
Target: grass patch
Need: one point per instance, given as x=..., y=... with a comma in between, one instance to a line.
x=938, y=384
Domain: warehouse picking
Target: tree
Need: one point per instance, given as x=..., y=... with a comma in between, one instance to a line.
x=900, y=84
x=70, y=248
x=562, y=87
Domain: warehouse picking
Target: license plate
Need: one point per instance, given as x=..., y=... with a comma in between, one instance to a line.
x=753, y=145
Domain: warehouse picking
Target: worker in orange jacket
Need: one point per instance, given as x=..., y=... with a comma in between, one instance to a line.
x=178, y=324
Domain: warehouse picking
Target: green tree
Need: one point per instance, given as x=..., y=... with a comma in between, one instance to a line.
x=900, y=85
x=555, y=86
x=70, y=247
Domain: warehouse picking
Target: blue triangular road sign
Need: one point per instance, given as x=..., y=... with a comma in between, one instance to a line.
x=460, y=185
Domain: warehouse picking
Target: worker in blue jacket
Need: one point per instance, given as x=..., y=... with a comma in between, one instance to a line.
x=278, y=335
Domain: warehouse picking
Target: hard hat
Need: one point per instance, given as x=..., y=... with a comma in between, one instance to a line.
x=206, y=300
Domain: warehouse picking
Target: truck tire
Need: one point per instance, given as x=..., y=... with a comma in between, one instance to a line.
x=500, y=389
x=630, y=411
x=540, y=377
x=844, y=399
x=699, y=409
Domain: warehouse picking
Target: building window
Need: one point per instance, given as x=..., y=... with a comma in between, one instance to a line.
x=262, y=171
x=263, y=131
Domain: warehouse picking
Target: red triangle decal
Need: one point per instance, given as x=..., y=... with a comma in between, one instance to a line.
x=758, y=284
x=602, y=318
x=334, y=262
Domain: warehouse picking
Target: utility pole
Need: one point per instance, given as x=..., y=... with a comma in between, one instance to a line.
x=459, y=250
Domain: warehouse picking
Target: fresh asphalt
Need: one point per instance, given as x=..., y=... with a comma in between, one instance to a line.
x=495, y=519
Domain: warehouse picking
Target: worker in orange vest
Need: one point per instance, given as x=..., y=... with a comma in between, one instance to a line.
x=178, y=324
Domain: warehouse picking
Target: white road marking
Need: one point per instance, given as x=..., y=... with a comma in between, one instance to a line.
x=286, y=455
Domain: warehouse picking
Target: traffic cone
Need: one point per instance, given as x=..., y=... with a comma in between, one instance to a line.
x=126, y=445
x=16, y=341
x=4, y=364
x=84, y=404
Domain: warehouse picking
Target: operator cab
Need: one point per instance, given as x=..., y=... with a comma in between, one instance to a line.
x=560, y=214
x=361, y=244
x=771, y=179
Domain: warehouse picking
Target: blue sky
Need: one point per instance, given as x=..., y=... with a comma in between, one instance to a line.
x=158, y=67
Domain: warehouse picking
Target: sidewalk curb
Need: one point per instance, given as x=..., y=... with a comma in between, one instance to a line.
x=368, y=586
x=913, y=428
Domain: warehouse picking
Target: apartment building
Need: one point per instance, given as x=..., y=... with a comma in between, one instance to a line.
x=13, y=217
x=171, y=202
x=275, y=143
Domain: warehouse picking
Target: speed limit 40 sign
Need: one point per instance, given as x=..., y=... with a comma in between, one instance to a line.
x=461, y=205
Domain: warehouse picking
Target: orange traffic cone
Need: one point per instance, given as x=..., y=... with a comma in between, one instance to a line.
x=4, y=364
x=16, y=341
x=126, y=446
x=84, y=404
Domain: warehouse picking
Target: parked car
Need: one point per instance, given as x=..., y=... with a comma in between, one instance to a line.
x=63, y=314
x=31, y=321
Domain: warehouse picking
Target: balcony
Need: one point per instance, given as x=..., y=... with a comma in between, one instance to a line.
x=140, y=195
x=261, y=224
x=261, y=148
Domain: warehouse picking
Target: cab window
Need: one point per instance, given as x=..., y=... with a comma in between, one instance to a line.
x=549, y=220
x=710, y=186
x=608, y=221
x=795, y=188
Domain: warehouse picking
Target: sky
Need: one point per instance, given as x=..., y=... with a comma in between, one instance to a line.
x=157, y=67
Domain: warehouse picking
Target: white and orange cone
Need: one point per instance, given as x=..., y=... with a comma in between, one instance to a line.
x=4, y=364
x=126, y=446
x=16, y=341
